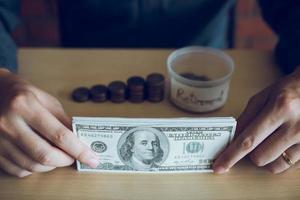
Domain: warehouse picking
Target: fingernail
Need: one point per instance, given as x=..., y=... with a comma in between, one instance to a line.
x=24, y=174
x=220, y=170
x=93, y=160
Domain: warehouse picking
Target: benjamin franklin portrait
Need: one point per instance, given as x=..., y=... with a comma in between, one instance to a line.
x=142, y=148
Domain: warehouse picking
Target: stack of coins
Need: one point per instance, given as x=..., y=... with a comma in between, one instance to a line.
x=136, y=89
x=99, y=93
x=117, y=91
x=155, y=87
x=81, y=94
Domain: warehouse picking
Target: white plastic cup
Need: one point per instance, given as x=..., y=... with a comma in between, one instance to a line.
x=199, y=95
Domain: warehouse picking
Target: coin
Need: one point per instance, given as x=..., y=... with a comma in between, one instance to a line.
x=195, y=77
x=155, y=87
x=155, y=79
x=99, y=93
x=136, y=89
x=81, y=94
x=117, y=91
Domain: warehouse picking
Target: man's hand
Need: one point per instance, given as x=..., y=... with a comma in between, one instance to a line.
x=35, y=133
x=268, y=127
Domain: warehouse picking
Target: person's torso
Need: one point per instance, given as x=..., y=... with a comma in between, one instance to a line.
x=144, y=23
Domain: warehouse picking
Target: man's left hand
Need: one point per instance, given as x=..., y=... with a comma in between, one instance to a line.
x=268, y=128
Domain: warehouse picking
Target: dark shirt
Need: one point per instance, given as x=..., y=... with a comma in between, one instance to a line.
x=155, y=23
x=284, y=18
x=9, y=10
x=144, y=23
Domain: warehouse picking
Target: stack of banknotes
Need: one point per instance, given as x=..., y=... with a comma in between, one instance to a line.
x=154, y=145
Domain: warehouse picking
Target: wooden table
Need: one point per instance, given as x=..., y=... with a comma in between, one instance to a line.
x=60, y=71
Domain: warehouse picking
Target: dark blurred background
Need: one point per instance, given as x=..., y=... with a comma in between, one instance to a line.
x=40, y=25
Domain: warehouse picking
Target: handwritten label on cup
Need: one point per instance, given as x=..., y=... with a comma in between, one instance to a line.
x=198, y=99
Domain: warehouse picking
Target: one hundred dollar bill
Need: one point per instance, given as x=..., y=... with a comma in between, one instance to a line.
x=154, y=144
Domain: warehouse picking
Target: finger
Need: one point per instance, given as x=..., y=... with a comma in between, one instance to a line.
x=12, y=169
x=12, y=153
x=261, y=127
x=280, y=165
x=37, y=147
x=297, y=164
x=255, y=104
x=62, y=137
x=53, y=105
x=271, y=148
x=60, y=114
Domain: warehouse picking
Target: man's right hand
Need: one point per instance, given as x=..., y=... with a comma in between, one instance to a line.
x=35, y=132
